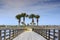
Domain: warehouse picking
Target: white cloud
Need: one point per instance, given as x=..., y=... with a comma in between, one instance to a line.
x=21, y=3
x=28, y=4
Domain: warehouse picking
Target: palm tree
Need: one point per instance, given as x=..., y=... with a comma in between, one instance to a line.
x=24, y=15
x=19, y=18
x=37, y=17
x=32, y=16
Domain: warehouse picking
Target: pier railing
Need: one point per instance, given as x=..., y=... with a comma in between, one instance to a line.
x=8, y=33
x=48, y=32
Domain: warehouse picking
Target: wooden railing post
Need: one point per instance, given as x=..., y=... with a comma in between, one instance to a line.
x=48, y=34
x=13, y=33
x=9, y=34
x=17, y=31
x=53, y=34
x=0, y=35
x=42, y=32
x=4, y=34
x=58, y=34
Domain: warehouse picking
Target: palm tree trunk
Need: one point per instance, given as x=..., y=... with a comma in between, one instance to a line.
x=37, y=22
x=19, y=22
x=32, y=20
x=24, y=19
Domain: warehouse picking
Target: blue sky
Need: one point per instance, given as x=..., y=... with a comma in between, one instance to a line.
x=49, y=10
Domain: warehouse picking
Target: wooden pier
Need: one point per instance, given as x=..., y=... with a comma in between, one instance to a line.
x=48, y=32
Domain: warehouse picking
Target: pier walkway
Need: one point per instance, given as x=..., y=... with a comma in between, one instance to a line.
x=29, y=35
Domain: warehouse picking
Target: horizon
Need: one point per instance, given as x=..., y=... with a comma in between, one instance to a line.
x=47, y=9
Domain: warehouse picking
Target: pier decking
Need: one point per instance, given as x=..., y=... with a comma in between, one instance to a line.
x=29, y=35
